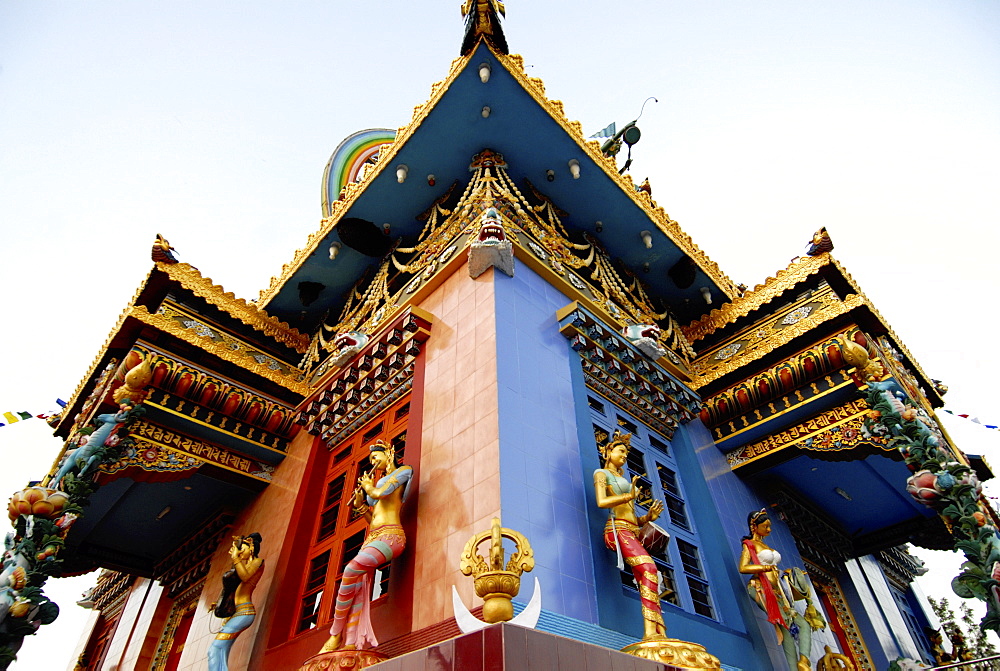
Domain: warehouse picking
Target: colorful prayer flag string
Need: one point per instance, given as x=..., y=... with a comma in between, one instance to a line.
x=975, y=420
x=20, y=416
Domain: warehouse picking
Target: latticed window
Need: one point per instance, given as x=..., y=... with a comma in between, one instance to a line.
x=650, y=457
x=339, y=531
x=697, y=585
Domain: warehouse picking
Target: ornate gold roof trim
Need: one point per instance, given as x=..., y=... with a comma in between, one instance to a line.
x=785, y=279
x=104, y=348
x=191, y=279
x=354, y=189
x=851, y=413
x=888, y=329
x=242, y=358
x=514, y=64
x=785, y=335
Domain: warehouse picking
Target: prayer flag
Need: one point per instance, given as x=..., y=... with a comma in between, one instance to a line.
x=607, y=132
x=61, y=403
x=12, y=417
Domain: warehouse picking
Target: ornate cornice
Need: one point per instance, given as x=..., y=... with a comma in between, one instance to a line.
x=783, y=280
x=152, y=458
x=837, y=429
x=110, y=591
x=191, y=279
x=203, y=287
x=161, y=450
x=346, y=397
x=900, y=566
x=243, y=356
x=219, y=400
x=514, y=64
x=776, y=406
x=796, y=272
x=174, y=570
x=617, y=370
x=735, y=354
x=798, y=376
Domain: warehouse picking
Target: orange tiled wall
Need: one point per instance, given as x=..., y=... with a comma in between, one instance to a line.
x=460, y=463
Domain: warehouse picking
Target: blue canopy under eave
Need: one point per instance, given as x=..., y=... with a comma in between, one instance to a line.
x=442, y=141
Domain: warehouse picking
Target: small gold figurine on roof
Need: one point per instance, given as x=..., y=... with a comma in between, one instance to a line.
x=820, y=243
x=162, y=251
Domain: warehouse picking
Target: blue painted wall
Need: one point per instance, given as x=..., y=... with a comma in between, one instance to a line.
x=735, y=499
x=547, y=457
x=542, y=491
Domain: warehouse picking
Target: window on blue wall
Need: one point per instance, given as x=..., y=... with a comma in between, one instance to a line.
x=912, y=624
x=684, y=580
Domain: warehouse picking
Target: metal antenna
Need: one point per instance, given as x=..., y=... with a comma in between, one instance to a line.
x=641, y=109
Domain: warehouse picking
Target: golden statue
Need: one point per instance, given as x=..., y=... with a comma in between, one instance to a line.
x=234, y=602
x=618, y=495
x=761, y=562
x=379, y=499
x=614, y=492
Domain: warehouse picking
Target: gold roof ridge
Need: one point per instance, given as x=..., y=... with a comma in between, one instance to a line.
x=352, y=190
x=514, y=64
x=772, y=287
x=107, y=343
x=191, y=279
x=784, y=279
x=782, y=337
x=885, y=324
x=241, y=358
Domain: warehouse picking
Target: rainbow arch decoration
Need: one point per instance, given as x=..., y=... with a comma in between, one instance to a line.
x=348, y=160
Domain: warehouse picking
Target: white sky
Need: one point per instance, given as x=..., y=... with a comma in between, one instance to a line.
x=210, y=122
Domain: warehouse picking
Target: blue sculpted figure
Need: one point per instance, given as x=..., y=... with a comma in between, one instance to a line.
x=234, y=603
x=85, y=457
x=13, y=575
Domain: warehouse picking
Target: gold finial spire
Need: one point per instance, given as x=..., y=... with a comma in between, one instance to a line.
x=482, y=17
x=495, y=583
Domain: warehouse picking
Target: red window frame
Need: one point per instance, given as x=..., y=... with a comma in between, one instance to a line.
x=337, y=532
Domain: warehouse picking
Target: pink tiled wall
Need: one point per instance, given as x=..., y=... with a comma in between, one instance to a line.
x=269, y=515
x=459, y=477
x=459, y=464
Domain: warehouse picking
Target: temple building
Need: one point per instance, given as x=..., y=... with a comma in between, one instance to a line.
x=490, y=298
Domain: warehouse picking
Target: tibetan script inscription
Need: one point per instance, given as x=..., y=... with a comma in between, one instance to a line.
x=157, y=435
x=839, y=428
